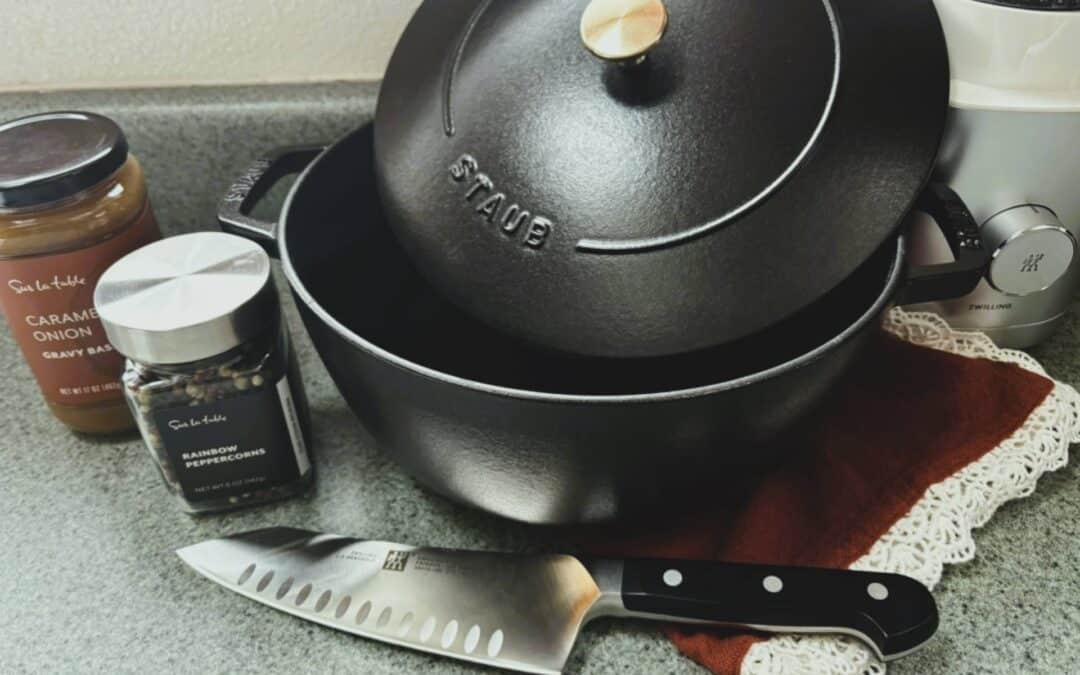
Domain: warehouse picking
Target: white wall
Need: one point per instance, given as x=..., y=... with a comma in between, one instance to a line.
x=75, y=44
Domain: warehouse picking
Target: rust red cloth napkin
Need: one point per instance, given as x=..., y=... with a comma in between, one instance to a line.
x=908, y=417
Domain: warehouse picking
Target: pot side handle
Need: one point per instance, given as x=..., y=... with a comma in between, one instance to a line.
x=955, y=279
x=234, y=213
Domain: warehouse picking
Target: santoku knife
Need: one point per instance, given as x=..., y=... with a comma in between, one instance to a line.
x=523, y=612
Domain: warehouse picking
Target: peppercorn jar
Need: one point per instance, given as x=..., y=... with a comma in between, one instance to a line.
x=211, y=376
x=73, y=200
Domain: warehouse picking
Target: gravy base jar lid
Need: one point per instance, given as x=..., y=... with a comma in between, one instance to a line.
x=53, y=156
x=187, y=298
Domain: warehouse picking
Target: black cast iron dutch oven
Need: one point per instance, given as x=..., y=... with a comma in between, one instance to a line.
x=525, y=432
x=637, y=178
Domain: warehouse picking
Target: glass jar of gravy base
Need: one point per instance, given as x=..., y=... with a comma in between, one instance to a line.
x=72, y=201
x=211, y=375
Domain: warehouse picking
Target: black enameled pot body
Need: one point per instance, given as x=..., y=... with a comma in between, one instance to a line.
x=519, y=431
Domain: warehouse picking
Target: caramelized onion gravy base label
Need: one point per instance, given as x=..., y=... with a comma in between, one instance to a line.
x=48, y=301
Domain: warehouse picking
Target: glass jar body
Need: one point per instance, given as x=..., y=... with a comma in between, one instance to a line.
x=51, y=256
x=227, y=432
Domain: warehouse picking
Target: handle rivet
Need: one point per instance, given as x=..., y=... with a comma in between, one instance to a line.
x=773, y=584
x=673, y=578
x=877, y=591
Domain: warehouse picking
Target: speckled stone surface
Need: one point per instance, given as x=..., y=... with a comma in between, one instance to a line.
x=89, y=583
x=194, y=141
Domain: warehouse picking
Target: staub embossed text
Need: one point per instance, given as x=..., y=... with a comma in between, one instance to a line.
x=496, y=208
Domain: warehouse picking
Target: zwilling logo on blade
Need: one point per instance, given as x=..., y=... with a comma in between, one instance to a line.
x=396, y=561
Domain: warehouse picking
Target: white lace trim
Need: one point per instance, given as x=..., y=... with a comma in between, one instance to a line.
x=938, y=530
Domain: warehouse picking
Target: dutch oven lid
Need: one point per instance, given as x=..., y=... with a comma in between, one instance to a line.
x=788, y=138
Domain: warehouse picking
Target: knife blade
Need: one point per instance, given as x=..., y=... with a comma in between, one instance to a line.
x=524, y=612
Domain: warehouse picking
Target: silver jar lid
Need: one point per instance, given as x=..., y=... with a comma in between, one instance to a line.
x=187, y=298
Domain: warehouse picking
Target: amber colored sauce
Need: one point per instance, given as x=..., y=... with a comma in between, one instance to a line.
x=82, y=221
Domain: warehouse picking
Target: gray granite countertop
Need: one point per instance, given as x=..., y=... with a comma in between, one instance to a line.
x=88, y=579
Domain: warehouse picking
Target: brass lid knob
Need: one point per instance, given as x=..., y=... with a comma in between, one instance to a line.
x=623, y=30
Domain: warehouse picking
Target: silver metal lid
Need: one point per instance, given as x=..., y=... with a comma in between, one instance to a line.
x=187, y=298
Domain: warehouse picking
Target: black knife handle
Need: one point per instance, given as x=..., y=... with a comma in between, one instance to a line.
x=894, y=614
